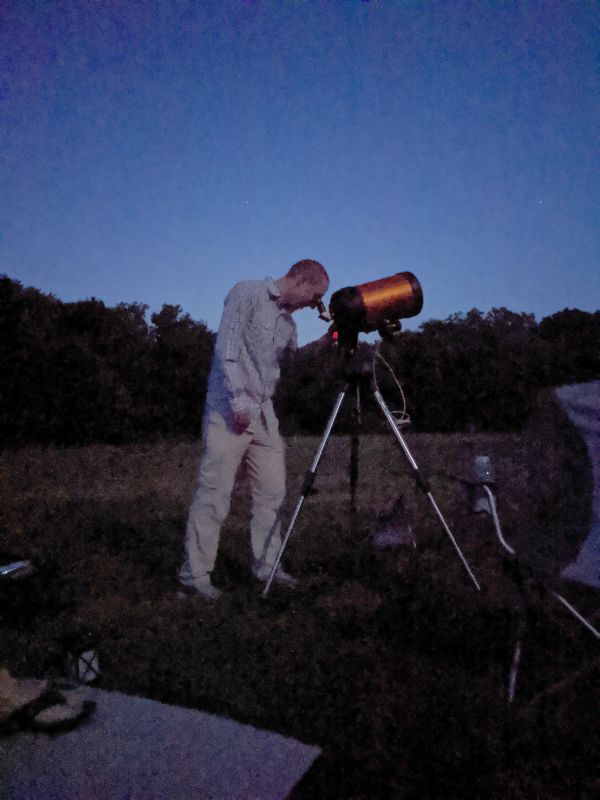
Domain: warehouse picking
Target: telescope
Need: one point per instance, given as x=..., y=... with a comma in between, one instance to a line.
x=375, y=306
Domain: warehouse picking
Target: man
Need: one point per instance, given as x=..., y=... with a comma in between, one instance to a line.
x=255, y=332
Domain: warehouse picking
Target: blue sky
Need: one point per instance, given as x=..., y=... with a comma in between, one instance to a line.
x=158, y=152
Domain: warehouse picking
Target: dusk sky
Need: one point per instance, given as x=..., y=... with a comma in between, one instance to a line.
x=158, y=152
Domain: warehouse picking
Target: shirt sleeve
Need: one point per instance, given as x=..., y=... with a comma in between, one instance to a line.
x=236, y=313
x=293, y=340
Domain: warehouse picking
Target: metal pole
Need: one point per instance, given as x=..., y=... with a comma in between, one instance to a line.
x=306, y=487
x=514, y=670
x=422, y=483
x=576, y=614
x=496, y=519
x=509, y=549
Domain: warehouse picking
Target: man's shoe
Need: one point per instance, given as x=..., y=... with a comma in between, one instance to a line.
x=281, y=577
x=205, y=590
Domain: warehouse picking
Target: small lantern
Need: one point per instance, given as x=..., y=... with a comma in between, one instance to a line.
x=84, y=667
x=82, y=663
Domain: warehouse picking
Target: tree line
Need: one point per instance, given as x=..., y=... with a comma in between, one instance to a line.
x=82, y=372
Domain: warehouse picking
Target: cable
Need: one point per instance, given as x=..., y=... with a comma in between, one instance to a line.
x=401, y=416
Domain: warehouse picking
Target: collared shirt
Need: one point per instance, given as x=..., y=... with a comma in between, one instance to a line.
x=253, y=336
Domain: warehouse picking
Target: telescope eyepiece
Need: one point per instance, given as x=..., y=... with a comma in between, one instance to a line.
x=323, y=313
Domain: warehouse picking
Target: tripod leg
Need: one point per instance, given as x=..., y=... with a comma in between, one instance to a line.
x=306, y=486
x=421, y=483
x=514, y=668
x=576, y=614
x=354, y=448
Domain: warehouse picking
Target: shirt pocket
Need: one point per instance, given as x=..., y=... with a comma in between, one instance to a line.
x=260, y=334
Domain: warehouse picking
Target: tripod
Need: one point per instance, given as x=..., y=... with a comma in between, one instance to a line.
x=355, y=371
x=524, y=603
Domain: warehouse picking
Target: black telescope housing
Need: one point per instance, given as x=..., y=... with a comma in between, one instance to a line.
x=375, y=306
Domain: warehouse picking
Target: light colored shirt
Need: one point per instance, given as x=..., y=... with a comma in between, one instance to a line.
x=254, y=335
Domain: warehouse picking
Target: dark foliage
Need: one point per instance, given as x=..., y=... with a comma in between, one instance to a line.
x=474, y=371
x=74, y=373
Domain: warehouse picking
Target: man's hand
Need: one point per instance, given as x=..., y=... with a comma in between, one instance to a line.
x=239, y=421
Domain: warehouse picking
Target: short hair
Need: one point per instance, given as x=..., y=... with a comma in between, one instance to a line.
x=308, y=271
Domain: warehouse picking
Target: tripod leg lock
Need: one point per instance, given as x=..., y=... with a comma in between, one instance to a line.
x=309, y=479
x=421, y=482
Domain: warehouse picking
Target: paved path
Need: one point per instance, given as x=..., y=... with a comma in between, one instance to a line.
x=138, y=749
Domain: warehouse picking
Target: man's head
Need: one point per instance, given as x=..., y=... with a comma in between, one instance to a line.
x=303, y=285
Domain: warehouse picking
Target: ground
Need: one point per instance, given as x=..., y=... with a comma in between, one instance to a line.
x=390, y=660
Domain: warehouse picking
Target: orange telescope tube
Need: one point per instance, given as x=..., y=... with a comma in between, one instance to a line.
x=367, y=306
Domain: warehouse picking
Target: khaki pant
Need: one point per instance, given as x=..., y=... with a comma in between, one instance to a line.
x=223, y=451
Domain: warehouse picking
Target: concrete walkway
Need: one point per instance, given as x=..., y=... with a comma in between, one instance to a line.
x=138, y=749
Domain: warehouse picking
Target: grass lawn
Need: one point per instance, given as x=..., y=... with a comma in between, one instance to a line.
x=389, y=660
